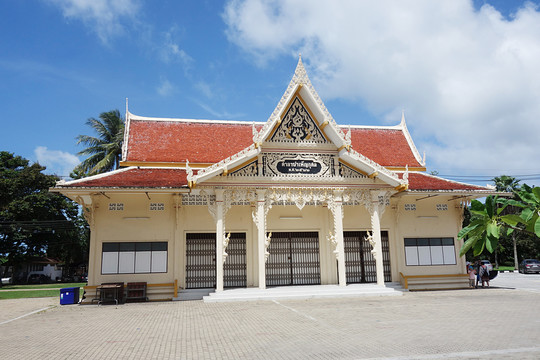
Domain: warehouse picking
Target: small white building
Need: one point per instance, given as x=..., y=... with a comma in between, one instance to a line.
x=297, y=200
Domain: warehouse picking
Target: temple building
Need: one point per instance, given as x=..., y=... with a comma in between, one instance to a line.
x=296, y=200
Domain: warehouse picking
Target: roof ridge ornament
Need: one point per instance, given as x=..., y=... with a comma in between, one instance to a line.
x=189, y=172
x=300, y=76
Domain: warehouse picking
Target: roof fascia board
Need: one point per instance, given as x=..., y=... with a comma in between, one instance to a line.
x=370, y=167
x=93, y=177
x=127, y=190
x=403, y=126
x=126, y=134
x=200, y=121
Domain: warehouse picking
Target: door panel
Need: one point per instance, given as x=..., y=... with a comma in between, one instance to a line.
x=294, y=259
x=360, y=265
x=201, y=261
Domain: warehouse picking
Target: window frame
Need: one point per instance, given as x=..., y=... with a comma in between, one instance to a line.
x=128, y=251
x=418, y=249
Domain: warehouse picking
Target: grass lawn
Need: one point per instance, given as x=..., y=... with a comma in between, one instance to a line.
x=41, y=286
x=32, y=291
x=505, y=268
x=28, y=294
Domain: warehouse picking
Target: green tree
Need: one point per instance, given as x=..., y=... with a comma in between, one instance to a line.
x=104, y=151
x=508, y=184
x=34, y=221
x=489, y=222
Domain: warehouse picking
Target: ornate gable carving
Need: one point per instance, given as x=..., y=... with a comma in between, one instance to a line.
x=347, y=172
x=250, y=169
x=298, y=126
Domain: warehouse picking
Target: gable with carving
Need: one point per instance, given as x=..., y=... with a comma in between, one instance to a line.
x=298, y=126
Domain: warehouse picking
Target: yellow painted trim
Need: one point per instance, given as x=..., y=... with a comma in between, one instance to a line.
x=434, y=276
x=164, y=164
x=398, y=168
x=373, y=175
x=161, y=285
x=175, y=288
x=402, y=187
x=323, y=125
x=225, y=171
x=353, y=167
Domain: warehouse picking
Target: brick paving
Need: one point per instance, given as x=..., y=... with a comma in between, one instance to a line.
x=421, y=325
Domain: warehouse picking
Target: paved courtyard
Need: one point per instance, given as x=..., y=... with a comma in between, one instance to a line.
x=495, y=323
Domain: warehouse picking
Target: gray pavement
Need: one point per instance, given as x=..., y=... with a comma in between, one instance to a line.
x=417, y=325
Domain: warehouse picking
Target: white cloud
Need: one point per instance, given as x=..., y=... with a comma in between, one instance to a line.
x=104, y=17
x=204, y=88
x=165, y=87
x=468, y=80
x=58, y=162
x=171, y=51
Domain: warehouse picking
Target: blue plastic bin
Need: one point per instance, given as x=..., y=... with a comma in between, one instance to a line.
x=69, y=296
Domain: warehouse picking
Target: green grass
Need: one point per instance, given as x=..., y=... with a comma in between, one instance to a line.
x=4, y=295
x=33, y=291
x=505, y=268
x=41, y=286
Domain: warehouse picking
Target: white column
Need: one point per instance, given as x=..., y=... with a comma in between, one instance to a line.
x=376, y=233
x=338, y=228
x=219, y=239
x=261, y=238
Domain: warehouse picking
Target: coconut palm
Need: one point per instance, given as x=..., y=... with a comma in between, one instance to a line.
x=104, y=151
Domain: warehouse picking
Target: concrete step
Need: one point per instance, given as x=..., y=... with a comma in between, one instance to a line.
x=193, y=294
x=303, y=292
x=438, y=283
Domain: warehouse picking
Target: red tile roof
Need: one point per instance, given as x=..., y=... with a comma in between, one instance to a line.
x=175, y=178
x=135, y=177
x=213, y=141
x=176, y=141
x=419, y=181
x=387, y=147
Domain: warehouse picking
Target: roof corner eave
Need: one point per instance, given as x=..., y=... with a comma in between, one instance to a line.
x=371, y=169
x=462, y=193
x=225, y=165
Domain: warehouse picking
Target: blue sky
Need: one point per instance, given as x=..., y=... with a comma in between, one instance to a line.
x=464, y=72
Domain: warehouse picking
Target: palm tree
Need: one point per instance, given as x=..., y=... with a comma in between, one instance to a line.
x=506, y=183
x=104, y=151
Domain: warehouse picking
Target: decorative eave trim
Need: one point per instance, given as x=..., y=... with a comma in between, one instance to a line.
x=126, y=134
x=225, y=165
x=199, y=121
x=62, y=183
x=370, y=167
x=410, y=141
